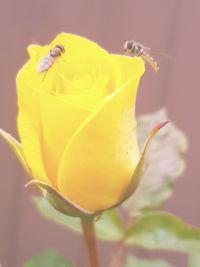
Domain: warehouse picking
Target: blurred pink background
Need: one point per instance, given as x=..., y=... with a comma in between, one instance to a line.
x=168, y=26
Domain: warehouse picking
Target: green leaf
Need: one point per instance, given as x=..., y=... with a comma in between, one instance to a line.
x=49, y=212
x=159, y=230
x=49, y=258
x=164, y=162
x=136, y=262
x=194, y=260
x=108, y=227
x=60, y=202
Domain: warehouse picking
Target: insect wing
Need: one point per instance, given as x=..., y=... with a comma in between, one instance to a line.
x=157, y=52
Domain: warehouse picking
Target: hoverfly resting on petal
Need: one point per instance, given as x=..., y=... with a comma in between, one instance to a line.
x=48, y=61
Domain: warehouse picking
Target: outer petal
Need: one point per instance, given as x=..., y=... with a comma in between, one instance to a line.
x=60, y=119
x=30, y=128
x=45, y=123
x=98, y=163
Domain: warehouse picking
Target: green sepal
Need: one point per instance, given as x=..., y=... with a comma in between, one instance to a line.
x=140, y=166
x=60, y=202
x=164, y=163
x=16, y=147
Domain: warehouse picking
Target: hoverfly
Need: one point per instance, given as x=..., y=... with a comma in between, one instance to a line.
x=48, y=61
x=137, y=50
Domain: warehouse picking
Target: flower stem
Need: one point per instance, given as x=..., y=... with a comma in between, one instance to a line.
x=90, y=241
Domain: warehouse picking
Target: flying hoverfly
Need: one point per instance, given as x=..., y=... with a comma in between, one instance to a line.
x=135, y=49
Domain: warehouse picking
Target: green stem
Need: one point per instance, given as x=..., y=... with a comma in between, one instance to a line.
x=90, y=241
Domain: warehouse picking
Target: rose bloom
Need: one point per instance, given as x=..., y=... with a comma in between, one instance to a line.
x=77, y=121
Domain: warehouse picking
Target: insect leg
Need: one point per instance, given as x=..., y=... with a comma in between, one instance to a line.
x=45, y=73
x=61, y=60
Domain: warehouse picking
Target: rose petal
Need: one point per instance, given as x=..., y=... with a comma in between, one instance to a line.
x=30, y=130
x=84, y=54
x=46, y=123
x=129, y=66
x=98, y=163
x=60, y=119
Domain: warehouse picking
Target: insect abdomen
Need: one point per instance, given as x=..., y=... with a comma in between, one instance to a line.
x=151, y=61
x=45, y=63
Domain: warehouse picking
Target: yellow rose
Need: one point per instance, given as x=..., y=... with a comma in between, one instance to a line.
x=76, y=121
